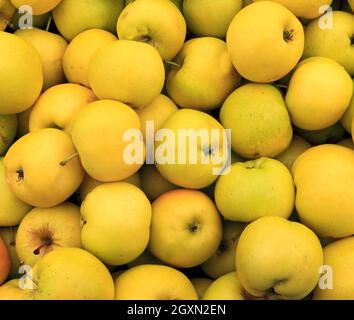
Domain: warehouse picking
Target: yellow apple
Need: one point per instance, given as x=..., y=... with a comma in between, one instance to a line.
x=9, y=237
x=297, y=146
x=192, y=83
x=44, y=230
x=201, y=285
x=23, y=122
x=249, y=37
x=7, y=10
x=223, y=260
x=58, y=106
x=116, y=222
x=348, y=116
x=104, y=124
x=51, y=48
x=38, y=6
x=21, y=72
x=325, y=202
x=71, y=274
x=277, y=257
x=309, y=108
x=185, y=229
x=226, y=287
x=177, y=3
x=128, y=71
x=254, y=189
x=258, y=119
x=73, y=17
x=8, y=129
x=12, y=291
x=347, y=143
x=332, y=42
x=153, y=282
x=156, y=22
x=79, y=52
x=41, y=170
x=339, y=256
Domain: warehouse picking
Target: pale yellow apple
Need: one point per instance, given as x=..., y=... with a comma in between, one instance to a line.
x=226, y=287
x=348, y=116
x=90, y=183
x=254, y=189
x=21, y=74
x=223, y=260
x=324, y=179
x=73, y=17
x=203, y=75
x=332, y=42
x=8, y=129
x=38, y=6
x=128, y=71
x=12, y=291
x=201, y=285
x=79, y=52
x=265, y=41
x=71, y=274
x=347, y=143
x=277, y=257
x=178, y=3
x=51, y=48
x=195, y=160
x=156, y=22
x=12, y=209
x=44, y=230
x=309, y=107
x=116, y=222
x=185, y=229
x=308, y=9
x=145, y=258
x=7, y=10
x=103, y=124
x=339, y=256
x=210, y=18
x=58, y=106
x=23, y=122
x=258, y=119
x=153, y=282
x=297, y=146
x=153, y=183
x=40, y=169
x=9, y=236
x=157, y=111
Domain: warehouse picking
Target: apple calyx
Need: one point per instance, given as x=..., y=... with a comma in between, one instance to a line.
x=20, y=175
x=194, y=227
x=66, y=161
x=288, y=35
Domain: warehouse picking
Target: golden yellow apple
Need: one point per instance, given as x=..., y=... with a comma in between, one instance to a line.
x=12, y=291
x=38, y=6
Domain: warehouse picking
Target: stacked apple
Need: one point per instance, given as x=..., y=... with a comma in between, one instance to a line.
x=92, y=106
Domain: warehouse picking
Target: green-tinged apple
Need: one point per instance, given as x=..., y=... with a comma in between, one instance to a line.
x=210, y=18
x=21, y=71
x=42, y=168
x=322, y=198
x=348, y=116
x=104, y=124
x=153, y=282
x=70, y=274
x=80, y=51
x=254, y=189
x=5, y=262
x=156, y=22
x=72, y=17
x=7, y=10
x=223, y=260
x=258, y=119
x=335, y=42
x=308, y=107
x=8, y=129
x=12, y=291
x=38, y=7
x=186, y=228
x=128, y=71
x=278, y=258
x=116, y=222
x=44, y=230
x=192, y=83
x=9, y=236
x=250, y=33
x=201, y=285
x=58, y=106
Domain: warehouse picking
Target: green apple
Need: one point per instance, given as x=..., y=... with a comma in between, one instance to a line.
x=9, y=236
x=258, y=119
x=8, y=129
x=72, y=17
x=348, y=116
x=116, y=222
x=44, y=230
x=201, y=285
x=157, y=22
x=192, y=83
x=210, y=18
x=70, y=274
x=279, y=258
x=223, y=260
x=335, y=42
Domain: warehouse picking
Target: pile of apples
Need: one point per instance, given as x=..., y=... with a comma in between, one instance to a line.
x=79, y=221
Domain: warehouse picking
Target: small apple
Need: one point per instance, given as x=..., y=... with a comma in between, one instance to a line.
x=8, y=129
x=11, y=291
x=154, y=282
x=201, y=285
x=5, y=262
x=9, y=237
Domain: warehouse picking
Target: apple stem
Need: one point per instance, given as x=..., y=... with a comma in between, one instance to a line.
x=175, y=64
x=38, y=250
x=279, y=85
x=49, y=22
x=64, y=162
x=12, y=237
